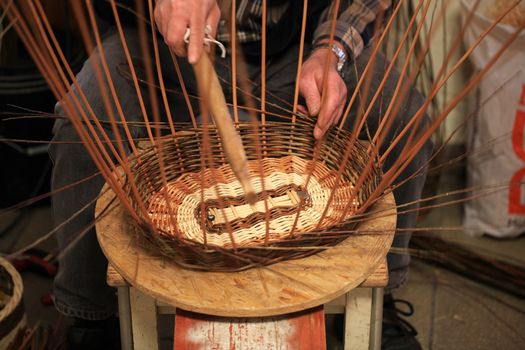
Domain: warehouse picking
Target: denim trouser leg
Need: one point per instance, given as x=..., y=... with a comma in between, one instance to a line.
x=411, y=190
x=80, y=287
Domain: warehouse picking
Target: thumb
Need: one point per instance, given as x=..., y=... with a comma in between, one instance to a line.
x=302, y=109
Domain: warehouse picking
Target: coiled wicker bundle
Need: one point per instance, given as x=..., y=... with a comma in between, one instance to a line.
x=200, y=218
x=12, y=313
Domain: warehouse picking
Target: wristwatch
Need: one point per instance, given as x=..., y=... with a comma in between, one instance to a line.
x=341, y=55
x=341, y=58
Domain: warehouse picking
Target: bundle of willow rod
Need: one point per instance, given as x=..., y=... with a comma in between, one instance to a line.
x=12, y=312
x=202, y=220
x=495, y=272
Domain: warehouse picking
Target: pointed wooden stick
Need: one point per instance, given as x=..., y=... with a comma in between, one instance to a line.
x=210, y=89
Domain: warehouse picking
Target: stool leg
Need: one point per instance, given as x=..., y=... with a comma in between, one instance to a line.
x=358, y=309
x=124, y=312
x=377, y=318
x=144, y=320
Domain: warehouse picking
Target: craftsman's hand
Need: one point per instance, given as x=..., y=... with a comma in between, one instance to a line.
x=311, y=88
x=174, y=16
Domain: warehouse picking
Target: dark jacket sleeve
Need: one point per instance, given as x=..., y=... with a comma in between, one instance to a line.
x=127, y=17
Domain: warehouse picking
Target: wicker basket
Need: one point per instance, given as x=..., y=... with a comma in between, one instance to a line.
x=199, y=217
x=12, y=315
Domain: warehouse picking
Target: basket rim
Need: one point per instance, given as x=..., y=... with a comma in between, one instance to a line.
x=338, y=138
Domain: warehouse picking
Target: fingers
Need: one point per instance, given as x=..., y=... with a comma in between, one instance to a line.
x=161, y=20
x=173, y=17
x=333, y=105
x=311, y=92
x=213, y=19
x=198, y=24
x=174, y=36
x=333, y=102
x=196, y=43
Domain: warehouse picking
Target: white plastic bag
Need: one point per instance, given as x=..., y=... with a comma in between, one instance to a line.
x=497, y=131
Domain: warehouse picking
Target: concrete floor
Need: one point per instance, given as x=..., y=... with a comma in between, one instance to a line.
x=451, y=312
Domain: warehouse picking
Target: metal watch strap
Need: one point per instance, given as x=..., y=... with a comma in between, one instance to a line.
x=341, y=57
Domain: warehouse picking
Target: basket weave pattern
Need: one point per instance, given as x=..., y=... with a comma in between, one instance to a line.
x=200, y=217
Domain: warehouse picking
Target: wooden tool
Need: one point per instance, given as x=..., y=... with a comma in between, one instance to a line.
x=211, y=91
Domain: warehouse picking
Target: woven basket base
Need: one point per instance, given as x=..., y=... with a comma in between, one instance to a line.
x=206, y=216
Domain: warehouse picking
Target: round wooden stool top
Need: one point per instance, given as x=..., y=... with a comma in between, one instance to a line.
x=281, y=288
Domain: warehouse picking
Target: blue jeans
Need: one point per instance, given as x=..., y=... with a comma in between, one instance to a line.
x=80, y=287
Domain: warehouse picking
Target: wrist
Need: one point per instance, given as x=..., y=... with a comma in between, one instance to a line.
x=325, y=53
x=338, y=55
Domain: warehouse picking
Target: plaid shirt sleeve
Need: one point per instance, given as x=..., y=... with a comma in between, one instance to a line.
x=352, y=21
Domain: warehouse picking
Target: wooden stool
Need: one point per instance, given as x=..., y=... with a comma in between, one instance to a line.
x=363, y=309
x=347, y=278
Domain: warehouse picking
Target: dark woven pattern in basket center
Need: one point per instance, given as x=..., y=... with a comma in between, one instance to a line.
x=215, y=215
